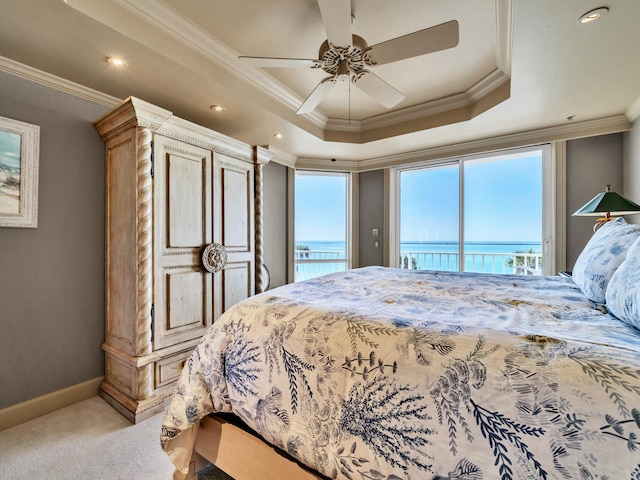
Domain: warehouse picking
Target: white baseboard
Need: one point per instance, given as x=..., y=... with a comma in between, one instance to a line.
x=36, y=407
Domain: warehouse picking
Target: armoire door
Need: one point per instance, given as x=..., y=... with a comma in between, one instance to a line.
x=235, y=214
x=184, y=293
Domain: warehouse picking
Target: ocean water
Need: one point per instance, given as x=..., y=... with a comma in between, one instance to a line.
x=450, y=247
x=479, y=256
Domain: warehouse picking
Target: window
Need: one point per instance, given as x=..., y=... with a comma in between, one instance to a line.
x=322, y=238
x=429, y=217
x=483, y=213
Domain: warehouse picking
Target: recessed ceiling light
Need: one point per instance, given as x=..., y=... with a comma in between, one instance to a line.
x=217, y=108
x=116, y=61
x=593, y=15
x=278, y=135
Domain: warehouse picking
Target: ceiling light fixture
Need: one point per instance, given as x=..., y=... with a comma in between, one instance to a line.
x=217, y=108
x=593, y=15
x=277, y=135
x=116, y=61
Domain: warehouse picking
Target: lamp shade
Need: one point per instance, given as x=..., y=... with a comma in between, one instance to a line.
x=608, y=202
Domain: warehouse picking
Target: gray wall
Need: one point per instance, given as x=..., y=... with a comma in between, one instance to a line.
x=275, y=222
x=631, y=165
x=592, y=164
x=371, y=215
x=52, y=277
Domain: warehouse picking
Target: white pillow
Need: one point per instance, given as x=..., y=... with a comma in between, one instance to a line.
x=623, y=291
x=602, y=255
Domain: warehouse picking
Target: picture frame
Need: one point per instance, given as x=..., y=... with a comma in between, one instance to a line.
x=19, y=156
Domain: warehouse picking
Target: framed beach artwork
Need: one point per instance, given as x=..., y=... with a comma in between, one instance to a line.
x=19, y=150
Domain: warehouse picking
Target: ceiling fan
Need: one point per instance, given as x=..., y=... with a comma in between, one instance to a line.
x=345, y=56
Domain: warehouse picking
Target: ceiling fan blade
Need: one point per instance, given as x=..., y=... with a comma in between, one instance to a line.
x=336, y=16
x=432, y=39
x=377, y=88
x=317, y=95
x=280, y=62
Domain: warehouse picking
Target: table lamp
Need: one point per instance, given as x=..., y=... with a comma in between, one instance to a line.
x=608, y=203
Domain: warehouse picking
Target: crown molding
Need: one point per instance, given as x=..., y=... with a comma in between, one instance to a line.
x=588, y=128
x=343, y=125
x=48, y=80
x=190, y=34
x=281, y=157
x=488, y=84
x=408, y=114
x=634, y=111
x=479, y=90
x=328, y=165
x=504, y=32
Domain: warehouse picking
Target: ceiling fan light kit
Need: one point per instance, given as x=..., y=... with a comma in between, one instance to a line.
x=346, y=56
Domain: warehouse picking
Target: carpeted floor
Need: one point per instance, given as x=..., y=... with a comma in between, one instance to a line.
x=88, y=440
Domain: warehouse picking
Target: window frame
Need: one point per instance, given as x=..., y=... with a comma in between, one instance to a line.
x=351, y=216
x=551, y=190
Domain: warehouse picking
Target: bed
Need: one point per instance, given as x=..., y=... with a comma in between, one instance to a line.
x=381, y=373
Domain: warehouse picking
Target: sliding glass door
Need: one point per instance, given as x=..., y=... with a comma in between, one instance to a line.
x=503, y=213
x=430, y=218
x=321, y=238
x=475, y=214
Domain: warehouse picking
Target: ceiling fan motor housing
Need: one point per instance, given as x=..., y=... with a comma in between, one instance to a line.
x=343, y=61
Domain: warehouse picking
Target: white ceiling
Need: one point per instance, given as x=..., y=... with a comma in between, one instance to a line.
x=520, y=66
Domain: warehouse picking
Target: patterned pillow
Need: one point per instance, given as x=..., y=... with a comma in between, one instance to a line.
x=602, y=255
x=623, y=291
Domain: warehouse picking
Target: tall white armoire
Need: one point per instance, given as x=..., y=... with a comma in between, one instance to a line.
x=180, y=245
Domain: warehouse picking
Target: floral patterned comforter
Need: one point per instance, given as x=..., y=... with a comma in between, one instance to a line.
x=379, y=373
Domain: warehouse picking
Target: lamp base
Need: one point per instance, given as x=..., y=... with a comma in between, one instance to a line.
x=601, y=221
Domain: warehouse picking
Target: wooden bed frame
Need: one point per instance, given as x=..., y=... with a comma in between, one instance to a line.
x=243, y=455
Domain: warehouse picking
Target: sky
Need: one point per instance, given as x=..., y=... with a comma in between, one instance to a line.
x=503, y=202
x=320, y=207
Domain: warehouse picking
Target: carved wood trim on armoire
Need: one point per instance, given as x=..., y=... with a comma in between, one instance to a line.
x=183, y=228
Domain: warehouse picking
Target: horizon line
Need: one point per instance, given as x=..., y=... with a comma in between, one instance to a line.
x=494, y=242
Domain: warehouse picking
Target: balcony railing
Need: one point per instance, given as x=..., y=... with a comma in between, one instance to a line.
x=478, y=262
x=313, y=263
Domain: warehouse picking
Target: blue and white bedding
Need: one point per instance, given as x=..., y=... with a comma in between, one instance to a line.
x=380, y=373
